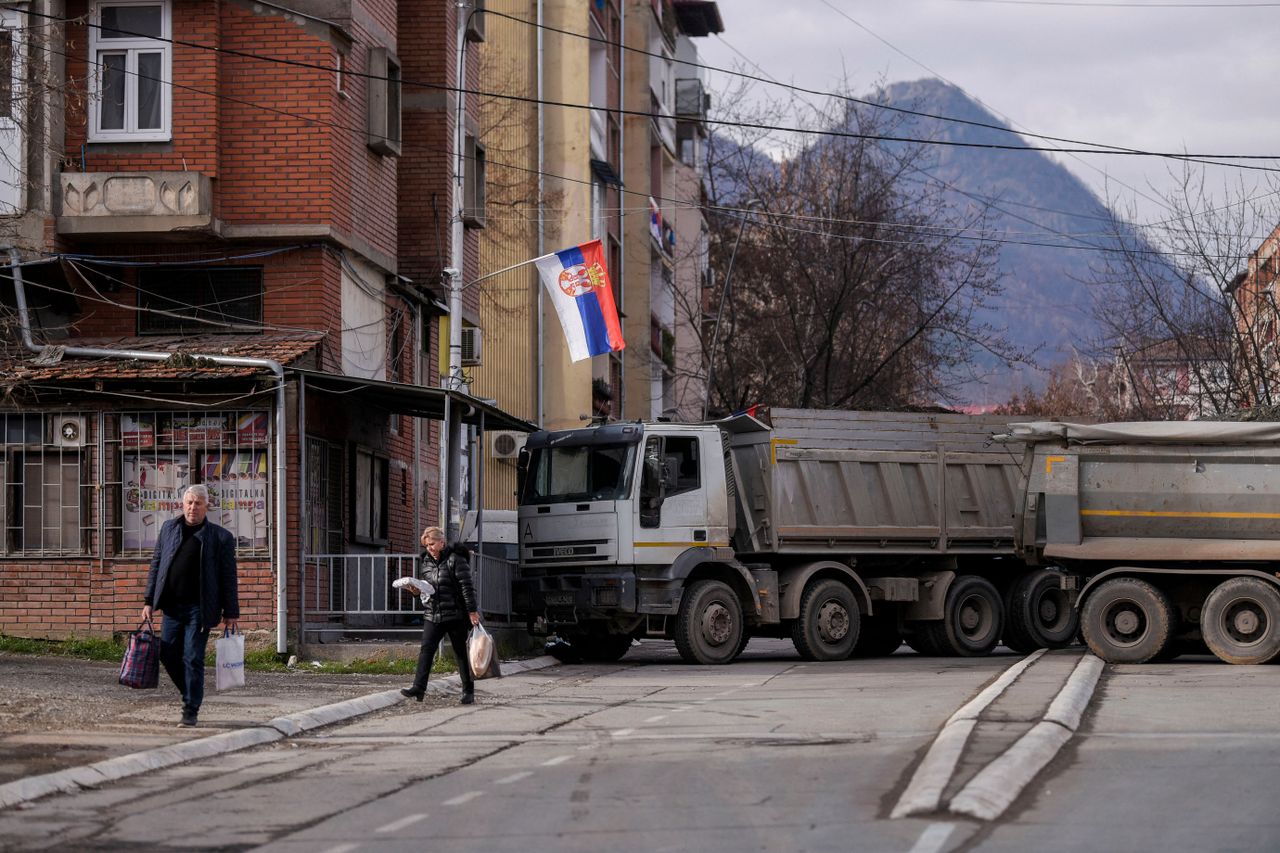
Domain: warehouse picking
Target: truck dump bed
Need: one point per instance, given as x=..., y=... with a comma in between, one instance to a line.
x=819, y=481
x=1139, y=492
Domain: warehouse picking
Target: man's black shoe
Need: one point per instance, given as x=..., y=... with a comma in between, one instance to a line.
x=412, y=694
x=188, y=719
x=468, y=698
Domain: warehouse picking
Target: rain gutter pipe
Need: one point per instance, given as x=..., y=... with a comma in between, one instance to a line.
x=24, y=320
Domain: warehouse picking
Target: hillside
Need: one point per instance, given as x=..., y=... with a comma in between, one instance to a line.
x=1052, y=225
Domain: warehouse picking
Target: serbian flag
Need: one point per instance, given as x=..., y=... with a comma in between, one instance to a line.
x=578, y=284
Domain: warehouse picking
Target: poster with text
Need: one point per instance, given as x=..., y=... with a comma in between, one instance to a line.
x=237, y=481
x=152, y=495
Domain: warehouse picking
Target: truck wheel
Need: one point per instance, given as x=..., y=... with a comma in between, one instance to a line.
x=604, y=648
x=709, y=626
x=877, y=636
x=1127, y=620
x=1038, y=614
x=972, y=621
x=828, y=625
x=1240, y=621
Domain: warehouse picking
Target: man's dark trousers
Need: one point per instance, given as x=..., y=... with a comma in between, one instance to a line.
x=182, y=647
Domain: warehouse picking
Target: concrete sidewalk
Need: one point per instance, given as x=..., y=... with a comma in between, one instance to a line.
x=66, y=723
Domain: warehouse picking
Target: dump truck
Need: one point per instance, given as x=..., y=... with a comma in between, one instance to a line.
x=846, y=532
x=1168, y=534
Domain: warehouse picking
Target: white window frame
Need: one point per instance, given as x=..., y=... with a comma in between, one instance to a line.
x=13, y=134
x=130, y=47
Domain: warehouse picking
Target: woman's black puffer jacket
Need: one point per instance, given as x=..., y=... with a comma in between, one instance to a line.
x=451, y=576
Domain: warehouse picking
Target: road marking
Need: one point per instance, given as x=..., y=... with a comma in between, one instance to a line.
x=342, y=848
x=559, y=759
x=997, y=785
x=514, y=777
x=397, y=825
x=934, y=836
x=682, y=709
x=463, y=798
x=924, y=792
x=621, y=732
x=656, y=717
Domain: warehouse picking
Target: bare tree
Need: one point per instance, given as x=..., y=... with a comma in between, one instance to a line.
x=852, y=286
x=1190, y=328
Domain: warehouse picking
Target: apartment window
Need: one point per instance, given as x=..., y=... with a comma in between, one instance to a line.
x=199, y=299
x=161, y=453
x=384, y=102
x=473, y=199
x=131, y=69
x=8, y=72
x=369, y=491
x=44, y=496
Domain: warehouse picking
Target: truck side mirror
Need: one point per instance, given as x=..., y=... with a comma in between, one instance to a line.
x=522, y=471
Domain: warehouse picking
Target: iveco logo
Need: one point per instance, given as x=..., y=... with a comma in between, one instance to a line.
x=562, y=551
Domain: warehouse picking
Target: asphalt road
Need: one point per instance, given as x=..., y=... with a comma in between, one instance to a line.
x=770, y=753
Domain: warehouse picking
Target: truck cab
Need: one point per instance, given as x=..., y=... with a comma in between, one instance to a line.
x=612, y=520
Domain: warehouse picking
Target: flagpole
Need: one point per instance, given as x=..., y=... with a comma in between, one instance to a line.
x=501, y=271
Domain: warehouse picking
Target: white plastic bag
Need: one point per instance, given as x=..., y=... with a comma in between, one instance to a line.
x=418, y=585
x=230, y=661
x=482, y=654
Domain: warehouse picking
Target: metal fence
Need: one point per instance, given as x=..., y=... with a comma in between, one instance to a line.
x=352, y=593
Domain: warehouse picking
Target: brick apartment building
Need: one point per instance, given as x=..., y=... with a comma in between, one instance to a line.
x=231, y=219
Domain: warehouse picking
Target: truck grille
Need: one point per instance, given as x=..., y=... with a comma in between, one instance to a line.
x=579, y=551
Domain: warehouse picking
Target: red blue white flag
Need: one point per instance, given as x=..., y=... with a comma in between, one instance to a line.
x=578, y=283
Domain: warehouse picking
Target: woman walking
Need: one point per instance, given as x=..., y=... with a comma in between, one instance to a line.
x=452, y=610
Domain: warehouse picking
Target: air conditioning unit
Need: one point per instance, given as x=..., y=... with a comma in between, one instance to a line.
x=67, y=430
x=471, y=339
x=506, y=444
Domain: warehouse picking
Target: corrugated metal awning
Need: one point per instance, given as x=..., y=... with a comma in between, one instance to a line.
x=404, y=399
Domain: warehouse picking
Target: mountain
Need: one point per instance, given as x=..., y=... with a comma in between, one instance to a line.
x=1051, y=225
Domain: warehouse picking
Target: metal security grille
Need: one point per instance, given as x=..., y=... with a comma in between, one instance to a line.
x=44, y=493
x=199, y=299
x=160, y=453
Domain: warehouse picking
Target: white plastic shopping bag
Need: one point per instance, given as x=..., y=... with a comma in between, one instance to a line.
x=482, y=654
x=423, y=588
x=229, y=654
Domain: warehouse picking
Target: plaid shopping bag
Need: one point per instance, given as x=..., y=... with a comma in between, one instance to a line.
x=140, y=668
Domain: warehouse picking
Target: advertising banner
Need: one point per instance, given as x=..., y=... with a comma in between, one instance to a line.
x=152, y=495
x=237, y=481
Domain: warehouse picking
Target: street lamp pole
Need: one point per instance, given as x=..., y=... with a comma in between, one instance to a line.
x=724, y=294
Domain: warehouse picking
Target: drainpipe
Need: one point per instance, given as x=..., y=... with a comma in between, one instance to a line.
x=541, y=249
x=15, y=265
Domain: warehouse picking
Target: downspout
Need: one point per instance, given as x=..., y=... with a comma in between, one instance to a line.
x=542, y=237
x=24, y=321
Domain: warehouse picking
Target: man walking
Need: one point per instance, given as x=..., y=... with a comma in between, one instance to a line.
x=193, y=580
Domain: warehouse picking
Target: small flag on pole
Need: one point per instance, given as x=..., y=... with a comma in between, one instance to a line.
x=578, y=284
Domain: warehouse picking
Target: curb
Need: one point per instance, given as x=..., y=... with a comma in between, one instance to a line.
x=924, y=793
x=998, y=784
x=133, y=764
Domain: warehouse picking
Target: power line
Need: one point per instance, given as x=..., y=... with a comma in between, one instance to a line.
x=1095, y=148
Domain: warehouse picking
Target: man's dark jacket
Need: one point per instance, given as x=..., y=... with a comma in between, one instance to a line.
x=451, y=576
x=219, y=594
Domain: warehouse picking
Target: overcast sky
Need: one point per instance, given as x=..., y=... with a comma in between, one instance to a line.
x=1158, y=77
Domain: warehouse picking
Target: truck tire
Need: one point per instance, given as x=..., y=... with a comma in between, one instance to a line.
x=972, y=620
x=709, y=626
x=1127, y=620
x=878, y=636
x=922, y=641
x=828, y=625
x=1038, y=614
x=1240, y=621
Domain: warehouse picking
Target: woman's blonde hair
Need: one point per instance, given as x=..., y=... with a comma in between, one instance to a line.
x=432, y=533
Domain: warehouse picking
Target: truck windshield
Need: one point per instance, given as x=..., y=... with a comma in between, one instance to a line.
x=597, y=472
